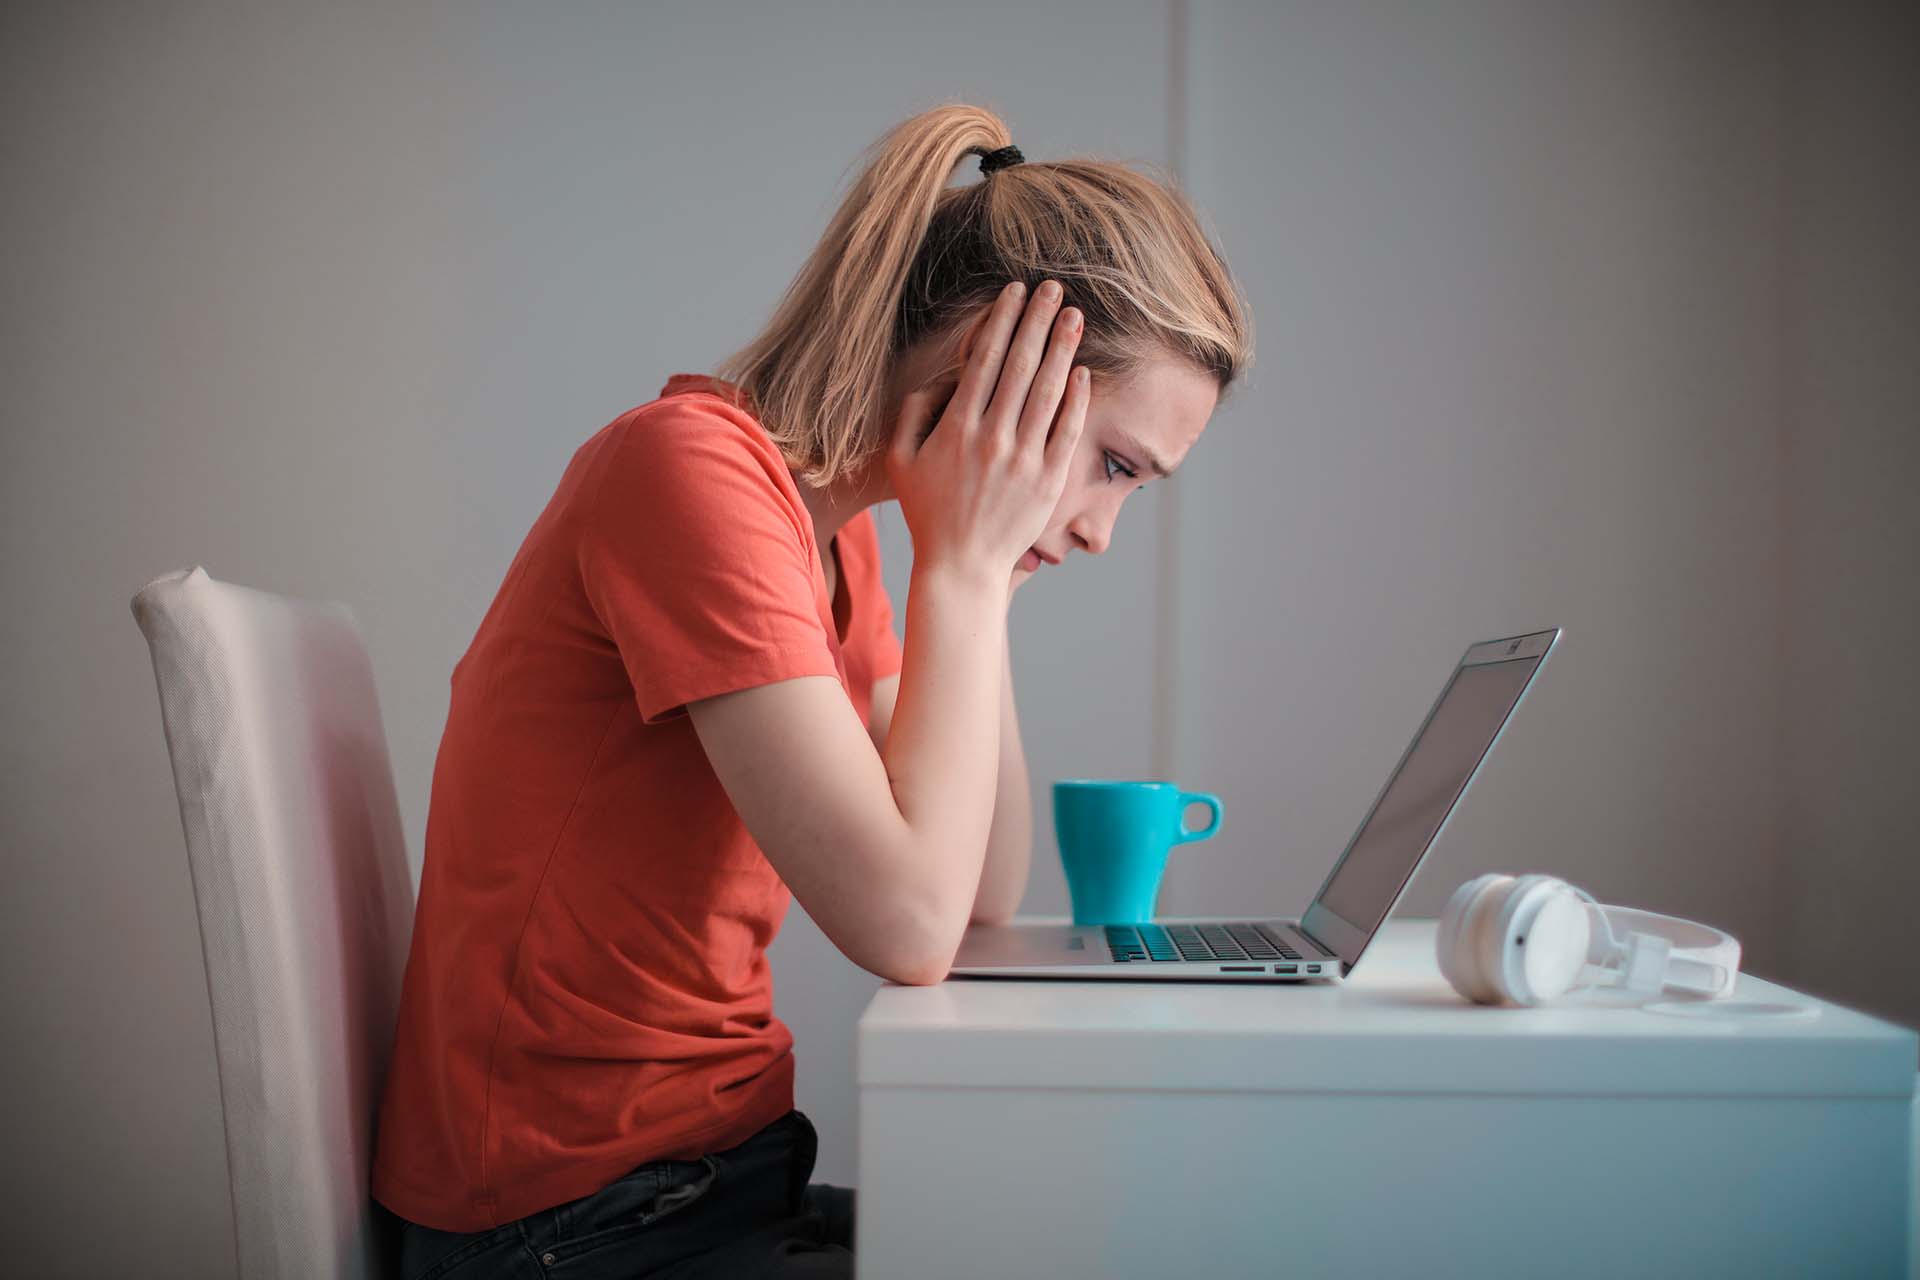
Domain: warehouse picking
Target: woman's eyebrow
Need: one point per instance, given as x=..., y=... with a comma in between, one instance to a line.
x=1132, y=442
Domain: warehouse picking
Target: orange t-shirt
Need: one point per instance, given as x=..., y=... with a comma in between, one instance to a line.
x=587, y=987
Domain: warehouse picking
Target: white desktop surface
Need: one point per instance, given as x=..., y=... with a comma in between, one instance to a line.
x=1377, y=1126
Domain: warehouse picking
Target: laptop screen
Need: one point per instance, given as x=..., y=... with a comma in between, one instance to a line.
x=1431, y=777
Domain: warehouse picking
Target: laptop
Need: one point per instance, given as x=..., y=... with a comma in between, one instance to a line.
x=1324, y=943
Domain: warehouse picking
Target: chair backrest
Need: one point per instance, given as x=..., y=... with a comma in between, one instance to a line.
x=305, y=901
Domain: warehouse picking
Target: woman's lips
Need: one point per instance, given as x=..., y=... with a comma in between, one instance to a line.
x=1029, y=561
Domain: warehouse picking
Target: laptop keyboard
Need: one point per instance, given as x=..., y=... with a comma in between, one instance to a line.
x=1187, y=942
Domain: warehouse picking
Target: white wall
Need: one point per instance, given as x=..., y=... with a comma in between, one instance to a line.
x=1850, y=826
x=1515, y=273
x=325, y=301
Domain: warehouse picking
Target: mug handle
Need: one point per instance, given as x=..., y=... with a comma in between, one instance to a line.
x=1183, y=836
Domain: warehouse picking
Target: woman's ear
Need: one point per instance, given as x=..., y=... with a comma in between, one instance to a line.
x=971, y=336
x=957, y=352
x=942, y=398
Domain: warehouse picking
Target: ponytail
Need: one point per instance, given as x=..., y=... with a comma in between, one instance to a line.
x=906, y=257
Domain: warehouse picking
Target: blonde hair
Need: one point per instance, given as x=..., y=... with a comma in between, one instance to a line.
x=906, y=257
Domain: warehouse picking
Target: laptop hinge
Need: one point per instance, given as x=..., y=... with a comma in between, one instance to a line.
x=1325, y=951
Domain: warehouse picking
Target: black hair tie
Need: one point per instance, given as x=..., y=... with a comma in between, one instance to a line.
x=1005, y=158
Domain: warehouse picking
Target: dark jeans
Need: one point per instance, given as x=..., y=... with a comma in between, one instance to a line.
x=743, y=1212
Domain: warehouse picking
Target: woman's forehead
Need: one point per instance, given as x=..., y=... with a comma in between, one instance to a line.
x=1164, y=405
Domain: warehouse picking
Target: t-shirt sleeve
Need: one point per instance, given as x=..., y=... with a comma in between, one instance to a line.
x=696, y=562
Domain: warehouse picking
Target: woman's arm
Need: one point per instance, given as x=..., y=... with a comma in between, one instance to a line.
x=1003, y=880
x=882, y=848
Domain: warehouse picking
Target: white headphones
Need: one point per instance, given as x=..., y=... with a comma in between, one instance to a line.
x=1522, y=940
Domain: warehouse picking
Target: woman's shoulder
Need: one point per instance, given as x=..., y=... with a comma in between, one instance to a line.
x=693, y=429
x=700, y=389
x=691, y=456
x=693, y=406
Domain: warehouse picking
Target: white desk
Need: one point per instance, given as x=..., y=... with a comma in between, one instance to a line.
x=1380, y=1128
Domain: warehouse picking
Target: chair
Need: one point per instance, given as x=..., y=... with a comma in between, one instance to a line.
x=305, y=901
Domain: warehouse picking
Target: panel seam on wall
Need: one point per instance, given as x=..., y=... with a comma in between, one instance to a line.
x=1167, y=531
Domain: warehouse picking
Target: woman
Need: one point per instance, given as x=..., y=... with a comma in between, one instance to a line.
x=687, y=700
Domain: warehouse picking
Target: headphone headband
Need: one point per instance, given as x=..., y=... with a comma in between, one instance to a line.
x=1531, y=938
x=1698, y=957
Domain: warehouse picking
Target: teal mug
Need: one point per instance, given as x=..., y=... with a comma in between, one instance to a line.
x=1114, y=838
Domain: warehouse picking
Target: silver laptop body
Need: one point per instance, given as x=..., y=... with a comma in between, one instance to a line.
x=1322, y=945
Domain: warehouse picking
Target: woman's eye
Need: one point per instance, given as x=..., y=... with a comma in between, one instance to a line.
x=1112, y=464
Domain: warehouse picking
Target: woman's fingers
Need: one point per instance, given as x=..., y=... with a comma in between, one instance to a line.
x=1023, y=360
x=983, y=485
x=983, y=364
x=1043, y=398
x=1072, y=421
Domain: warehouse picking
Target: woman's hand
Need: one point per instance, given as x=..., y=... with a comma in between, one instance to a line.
x=980, y=490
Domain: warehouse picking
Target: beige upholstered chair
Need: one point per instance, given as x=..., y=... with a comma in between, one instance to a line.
x=305, y=902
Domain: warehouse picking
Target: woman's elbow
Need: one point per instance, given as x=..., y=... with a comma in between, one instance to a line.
x=923, y=969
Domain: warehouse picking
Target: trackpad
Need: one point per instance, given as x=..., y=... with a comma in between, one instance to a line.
x=1023, y=944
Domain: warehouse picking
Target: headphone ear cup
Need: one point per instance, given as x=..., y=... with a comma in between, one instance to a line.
x=1486, y=936
x=1479, y=980
x=1446, y=947
x=1555, y=948
x=1534, y=902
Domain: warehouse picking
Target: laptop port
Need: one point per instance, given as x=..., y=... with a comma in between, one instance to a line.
x=1241, y=968
x=1313, y=968
x=1286, y=968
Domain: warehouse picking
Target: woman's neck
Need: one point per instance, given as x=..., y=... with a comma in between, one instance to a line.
x=833, y=506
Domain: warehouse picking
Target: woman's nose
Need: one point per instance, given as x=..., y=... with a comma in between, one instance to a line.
x=1092, y=532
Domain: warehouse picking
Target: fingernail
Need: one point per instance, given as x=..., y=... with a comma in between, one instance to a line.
x=1072, y=317
x=1050, y=290
x=1017, y=289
